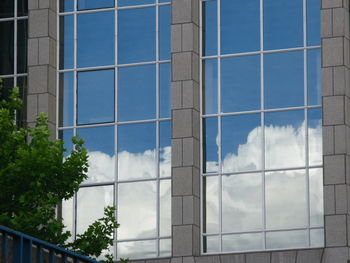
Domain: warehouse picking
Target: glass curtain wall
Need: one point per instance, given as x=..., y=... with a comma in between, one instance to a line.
x=114, y=92
x=262, y=183
x=13, y=48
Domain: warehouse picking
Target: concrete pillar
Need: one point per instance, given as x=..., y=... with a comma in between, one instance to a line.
x=42, y=61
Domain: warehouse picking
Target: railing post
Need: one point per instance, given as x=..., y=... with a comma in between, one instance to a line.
x=27, y=250
x=4, y=247
x=52, y=256
x=17, y=249
x=39, y=254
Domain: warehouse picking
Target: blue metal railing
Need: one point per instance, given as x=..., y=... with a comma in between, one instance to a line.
x=21, y=250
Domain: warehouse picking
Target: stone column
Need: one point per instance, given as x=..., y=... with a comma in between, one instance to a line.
x=185, y=130
x=42, y=61
x=336, y=128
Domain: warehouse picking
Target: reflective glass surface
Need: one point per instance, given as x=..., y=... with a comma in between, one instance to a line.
x=66, y=41
x=285, y=199
x=66, y=114
x=165, y=208
x=242, y=242
x=284, y=79
x=165, y=149
x=137, y=93
x=93, y=4
x=164, y=32
x=240, y=32
x=209, y=24
x=210, y=145
x=241, y=143
x=7, y=83
x=96, y=39
x=314, y=76
x=240, y=83
x=316, y=197
x=211, y=201
x=283, y=24
x=67, y=215
x=66, y=136
x=93, y=200
x=313, y=22
x=317, y=237
x=6, y=9
x=92, y=108
x=136, y=29
x=131, y=206
x=315, y=136
x=137, y=151
x=99, y=142
x=66, y=5
x=211, y=244
x=22, y=39
x=286, y=239
x=210, y=85
x=284, y=139
x=22, y=7
x=137, y=249
x=165, y=247
x=134, y=2
x=241, y=201
x=165, y=82
x=6, y=47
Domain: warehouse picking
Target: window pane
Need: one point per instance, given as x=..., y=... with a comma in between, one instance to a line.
x=67, y=215
x=241, y=143
x=6, y=10
x=210, y=86
x=211, y=244
x=210, y=22
x=241, y=201
x=95, y=96
x=7, y=84
x=284, y=79
x=22, y=39
x=66, y=136
x=99, y=142
x=240, y=83
x=165, y=82
x=211, y=207
x=131, y=206
x=21, y=115
x=93, y=4
x=164, y=32
x=22, y=7
x=240, y=26
x=137, y=35
x=165, y=247
x=66, y=5
x=96, y=39
x=165, y=208
x=165, y=149
x=91, y=202
x=286, y=239
x=134, y=2
x=316, y=197
x=137, y=249
x=6, y=47
x=317, y=238
x=137, y=93
x=284, y=139
x=66, y=99
x=314, y=76
x=283, y=24
x=313, y=22
x=66, y=42
x=315, y=136
x=137, y=151
x=285, y=199
x=210, y=145
x=242, y=242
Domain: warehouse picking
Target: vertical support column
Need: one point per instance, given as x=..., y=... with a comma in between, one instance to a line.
x=185, y=130
x=42, y=61
x=336, y=128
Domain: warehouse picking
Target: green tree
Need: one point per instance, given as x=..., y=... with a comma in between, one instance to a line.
x=35, y=178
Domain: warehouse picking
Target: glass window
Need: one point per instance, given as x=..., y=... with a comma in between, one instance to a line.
x=6, y=47
x=134, y=2
x=6, y=9
x=210, y=145
x=165, y=83
x=209, y=23
x=210, y=85
x=164, y=34
x=96, y=39
x=66, y=5
x=164, y=149
x=22, y=7
x=66, y=42
x=313, y=21
x=137, y=35
x=92, y=4
x=95, y=102
x=314, y=76
x=22, y=38
x=66, y=114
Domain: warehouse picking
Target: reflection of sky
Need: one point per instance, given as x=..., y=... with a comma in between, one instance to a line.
x=164, y=32
x=66, y=59
x=209, y=16
x=93, y=4
x=313, y=22
x=164, y=70
x=314, y=76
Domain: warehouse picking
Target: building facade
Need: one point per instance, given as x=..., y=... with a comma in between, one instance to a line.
x=205, y=121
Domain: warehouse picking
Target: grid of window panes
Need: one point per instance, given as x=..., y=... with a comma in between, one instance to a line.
x=114, y=92
x=261, y=125
x=13, y=48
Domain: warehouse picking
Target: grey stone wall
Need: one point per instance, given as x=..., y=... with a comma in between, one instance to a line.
x=42, y=20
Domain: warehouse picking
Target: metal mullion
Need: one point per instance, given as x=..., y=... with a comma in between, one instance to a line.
x=57, y=72
x=15, y=43
x=142, y=239
x=143, y=6
x=14, y=75
x=108, y=183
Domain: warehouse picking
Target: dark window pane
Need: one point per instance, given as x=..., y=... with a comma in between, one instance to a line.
x=313, y=22
x=240, y=26
x=22, y=38
x=22, y=7
x=164, y=32
x=7, y=85
x=210, y=86
x=66, y=5
x=210, y=31
x=22, y=114
x=6, y=47
x=95, y=96
x=6, y=9
x=96, y=39
x=283, y=24
x=134, y=2
x=66, y=42
x=137, y=35
x=93, y=4
x=240, y=83
x=137, y=93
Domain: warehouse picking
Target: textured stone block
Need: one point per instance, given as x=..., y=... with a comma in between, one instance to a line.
x=182, y=66
x=188, y=260
x=341, y=199
x=339, y=16
x=181, y=11
x=176, y=260
x=44, y=50
x=176, y=152
x=208, y=259
x=329, y=199
x=333, y=52
x=332, y=3
x=334, y=169
x=37, y=82
x=191, y=152
x=335, y=230
x=33, y=4
x=191, y=210
x=327, y=81
x=52, y=25
x=333, y=110
x=328, y=140
x=182, y=123
x=326, y=23
x=182, y=181
x=176, y=38
x=339, y=80
x=52, y=81
x=176, y=210
x=176, y=95
x=190, y=94
x=309, y=256
x=283, y=256
x=32, y=108
x=238, y=258
x=33, y=52
x=38, y=23
x=190, y=37
x=182, y=240
x=340, y=139
x=335, y=255
x=258, y=257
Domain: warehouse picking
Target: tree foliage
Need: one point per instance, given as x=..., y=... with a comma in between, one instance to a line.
x=35, y=177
